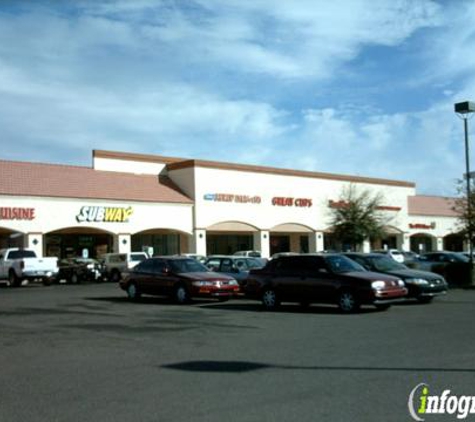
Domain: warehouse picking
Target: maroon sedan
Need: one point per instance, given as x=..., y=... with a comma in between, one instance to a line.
x=322, y=278
x=178, y=277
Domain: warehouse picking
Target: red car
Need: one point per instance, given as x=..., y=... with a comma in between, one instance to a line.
x=322, y=278
x=178, y=277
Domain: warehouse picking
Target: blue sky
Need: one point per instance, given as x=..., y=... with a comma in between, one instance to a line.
x=357, y=87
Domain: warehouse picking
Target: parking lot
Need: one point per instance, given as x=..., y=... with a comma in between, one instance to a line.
x=85, y=353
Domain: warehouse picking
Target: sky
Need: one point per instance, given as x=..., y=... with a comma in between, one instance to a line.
x=356, y=87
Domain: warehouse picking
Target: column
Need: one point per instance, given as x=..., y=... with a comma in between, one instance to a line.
x=316, y=242
x=34, y=241
x=124, y=243
x=439, y=244
x=261, y=243
x=198, y=242
x=366, y=246
x=406, y=242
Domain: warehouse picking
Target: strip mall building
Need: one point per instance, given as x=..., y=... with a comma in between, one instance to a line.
x=129, y=202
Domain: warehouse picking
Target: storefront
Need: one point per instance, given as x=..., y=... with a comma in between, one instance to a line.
x=71, y=211
x=163, y=205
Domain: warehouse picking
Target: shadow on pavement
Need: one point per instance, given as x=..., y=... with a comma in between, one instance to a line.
x=243, y=366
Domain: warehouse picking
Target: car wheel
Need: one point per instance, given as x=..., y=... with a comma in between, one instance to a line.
x=47, y=281
x=74, y=278
x=425, y=299
x=181, y=294
x=384, y=307
x=115, y=276
x=223, y=299
x=133, y=292
x=348, y=302
x=269, y=299
x=13, y=279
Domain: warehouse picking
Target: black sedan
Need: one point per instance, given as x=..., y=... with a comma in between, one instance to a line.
x=454, y=267
x=422, y=285
x=322, y=278
x=76, y=270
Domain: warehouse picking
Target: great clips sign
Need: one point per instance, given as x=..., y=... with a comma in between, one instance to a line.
x=104, y=214
x=292, y=202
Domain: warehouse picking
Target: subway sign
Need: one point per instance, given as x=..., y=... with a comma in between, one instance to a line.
x=104, y=214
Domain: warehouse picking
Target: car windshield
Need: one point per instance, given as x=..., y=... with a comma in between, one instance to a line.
x=342, y=264
x=21, y=254
x=458, y=257
x=137, y=257
x=254, y=263
x=382, y=263
x=187, y=266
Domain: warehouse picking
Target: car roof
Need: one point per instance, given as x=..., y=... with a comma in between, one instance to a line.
x=364, y=254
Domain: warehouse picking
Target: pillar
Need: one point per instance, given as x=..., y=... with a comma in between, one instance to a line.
x=261, y=243
x=406, y=242
x=124, y=243
x=34, y=241
x=198, y=242
x=366, y=246
x=316, y=242
x=439, y=244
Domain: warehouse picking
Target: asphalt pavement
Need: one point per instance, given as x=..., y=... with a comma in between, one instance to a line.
x=85, y=353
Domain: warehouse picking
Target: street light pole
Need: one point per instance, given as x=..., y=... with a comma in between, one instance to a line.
x=463, y=110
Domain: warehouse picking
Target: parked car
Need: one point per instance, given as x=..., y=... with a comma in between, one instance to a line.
x=409, y=256
x=178, y=277
x=117, y=263
x=17, y=264
x=422, y=285
x=322, y=278
x=77, y=270
x=252, y=254
x=395, y=254
x=278, y=254
x=235, y=266
x=454, y=267
x=199, y=258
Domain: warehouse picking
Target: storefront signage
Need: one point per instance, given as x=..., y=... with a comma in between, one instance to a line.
x=422, y=226
x=104, y=214
x=16, y=213
x=343, y=204
x=291, y=202
x=225, y=197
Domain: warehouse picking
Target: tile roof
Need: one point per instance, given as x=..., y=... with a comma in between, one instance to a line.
x=431, y=206
x=62, y=181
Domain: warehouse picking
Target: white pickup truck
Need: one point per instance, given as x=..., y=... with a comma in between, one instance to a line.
x=18, y=264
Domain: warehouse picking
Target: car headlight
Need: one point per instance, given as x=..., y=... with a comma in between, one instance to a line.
x=233, y=283
x=90, y=266
x=377, y=285
x=203, y=283
x=417, y=281
x=401, y=283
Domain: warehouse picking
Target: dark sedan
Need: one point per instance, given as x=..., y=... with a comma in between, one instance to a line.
x=322, y=278
x=422, y=285
x=177, y=277
x=77, y=270
x=454, y=267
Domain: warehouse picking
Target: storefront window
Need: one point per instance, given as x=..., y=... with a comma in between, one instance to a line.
x=160, y=244
x=228, y=244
